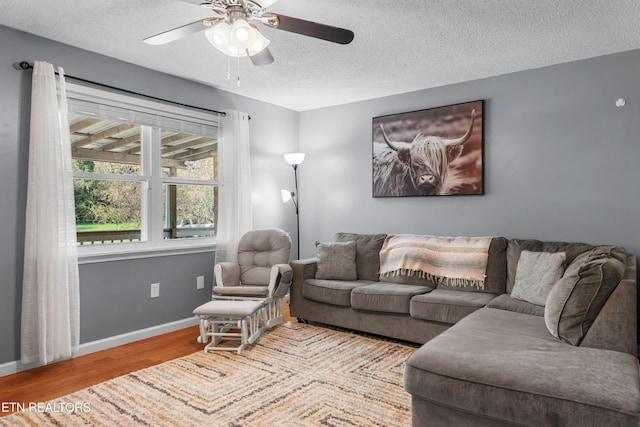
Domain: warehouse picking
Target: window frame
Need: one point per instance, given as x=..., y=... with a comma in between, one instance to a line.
x=153, y=244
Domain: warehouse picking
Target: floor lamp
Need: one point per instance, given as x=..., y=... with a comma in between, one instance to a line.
x=294, y=159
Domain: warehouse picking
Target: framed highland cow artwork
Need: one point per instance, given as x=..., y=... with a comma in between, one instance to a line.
x=433, y=152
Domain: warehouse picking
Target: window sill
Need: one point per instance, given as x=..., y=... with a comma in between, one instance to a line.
x=128, y=251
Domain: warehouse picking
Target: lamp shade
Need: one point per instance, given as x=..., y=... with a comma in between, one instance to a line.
x=286, y=195
x=294, y=158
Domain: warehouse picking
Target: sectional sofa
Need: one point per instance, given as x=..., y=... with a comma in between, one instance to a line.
x=549, y=337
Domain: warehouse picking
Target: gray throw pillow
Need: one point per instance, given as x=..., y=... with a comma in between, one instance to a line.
x=367, y=252
x=576, y=300
x=515, y=246
x=337, y=261
x=536, y=274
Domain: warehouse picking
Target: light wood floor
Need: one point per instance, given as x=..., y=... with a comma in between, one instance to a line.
x=61, y=378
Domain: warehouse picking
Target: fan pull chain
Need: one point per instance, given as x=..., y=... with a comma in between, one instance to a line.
x=229, y=70
x=238, y=82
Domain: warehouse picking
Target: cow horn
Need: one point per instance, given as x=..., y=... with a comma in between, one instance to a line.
x=386, y=139
x=464, y=137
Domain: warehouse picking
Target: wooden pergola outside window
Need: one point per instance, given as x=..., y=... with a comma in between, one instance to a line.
x=111, y=151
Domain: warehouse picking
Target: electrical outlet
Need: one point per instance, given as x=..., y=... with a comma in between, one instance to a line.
x=155, y=290
x=200, y=282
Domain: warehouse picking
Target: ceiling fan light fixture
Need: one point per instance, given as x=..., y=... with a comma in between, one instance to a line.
x=259, y=44
x=231, y=29
x=242, y=35
x=235, y=52
x=219, y=36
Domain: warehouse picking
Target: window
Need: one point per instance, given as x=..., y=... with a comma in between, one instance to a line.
x=190, y=196
x=145, y=174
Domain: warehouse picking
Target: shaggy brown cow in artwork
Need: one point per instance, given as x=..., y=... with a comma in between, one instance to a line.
x=418, y=168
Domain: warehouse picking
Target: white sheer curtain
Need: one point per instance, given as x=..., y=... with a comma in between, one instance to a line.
x=234, y=197
x=50, y=291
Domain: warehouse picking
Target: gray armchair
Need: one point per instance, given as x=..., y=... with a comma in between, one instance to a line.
x=261, y=273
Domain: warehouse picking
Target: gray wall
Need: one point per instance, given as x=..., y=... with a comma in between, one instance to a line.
x=560, y=164
x=115, y=295
x=561, y=161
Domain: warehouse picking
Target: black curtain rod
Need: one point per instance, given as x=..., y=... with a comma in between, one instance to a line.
x=24, y=65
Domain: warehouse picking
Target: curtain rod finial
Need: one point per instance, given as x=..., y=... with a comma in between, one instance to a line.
x=22, y=65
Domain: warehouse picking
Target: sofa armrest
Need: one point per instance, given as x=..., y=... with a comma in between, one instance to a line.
x=302, y=270
x=615, y=327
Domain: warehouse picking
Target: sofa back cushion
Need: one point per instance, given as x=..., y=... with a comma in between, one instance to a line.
x=496, y=272
x=576, y=299
x=367, y=252
x=516, y=246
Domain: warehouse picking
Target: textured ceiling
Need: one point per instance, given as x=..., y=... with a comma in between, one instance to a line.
x=399, y=46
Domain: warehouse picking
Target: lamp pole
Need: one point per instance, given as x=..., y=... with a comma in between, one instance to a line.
x=295, y=203
x=294, y=159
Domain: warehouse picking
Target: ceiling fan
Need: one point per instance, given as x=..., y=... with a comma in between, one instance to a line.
x=233, y=29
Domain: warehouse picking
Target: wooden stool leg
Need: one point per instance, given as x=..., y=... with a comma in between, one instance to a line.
x=243, y=335
x=203, y=338
x=254, y=328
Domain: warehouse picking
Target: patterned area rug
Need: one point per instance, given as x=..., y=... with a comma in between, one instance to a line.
x=295, y=375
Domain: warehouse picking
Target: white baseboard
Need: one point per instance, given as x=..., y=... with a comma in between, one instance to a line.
x=103, y=344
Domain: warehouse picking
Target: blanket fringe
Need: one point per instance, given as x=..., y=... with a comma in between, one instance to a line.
x=438, y=280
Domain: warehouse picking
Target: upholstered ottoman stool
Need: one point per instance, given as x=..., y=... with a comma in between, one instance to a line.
x=221, y=320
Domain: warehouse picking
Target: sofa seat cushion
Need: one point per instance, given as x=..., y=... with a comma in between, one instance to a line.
x=447, y=306
x=507, y=366
x=507, y=302
x=336, y=292
x=385, y=297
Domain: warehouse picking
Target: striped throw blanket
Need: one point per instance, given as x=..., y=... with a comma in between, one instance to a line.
x=456, y=261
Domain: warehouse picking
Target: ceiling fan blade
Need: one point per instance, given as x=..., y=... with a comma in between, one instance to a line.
x=176, y=33
x=311, y=29
x=263, y=57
